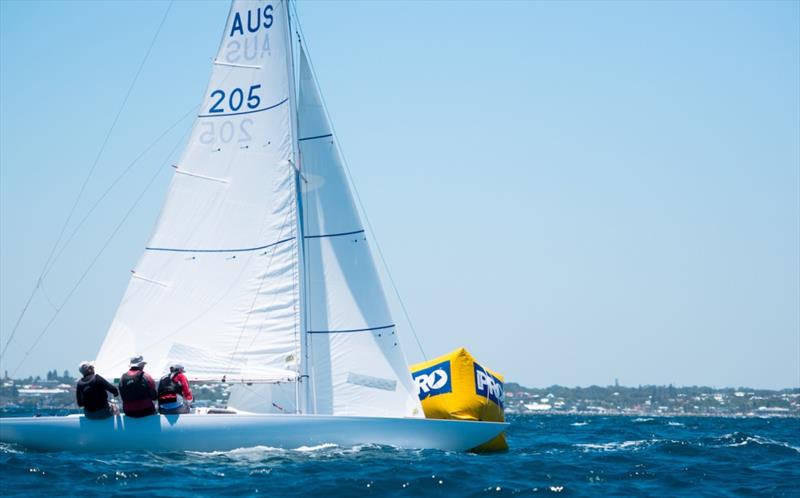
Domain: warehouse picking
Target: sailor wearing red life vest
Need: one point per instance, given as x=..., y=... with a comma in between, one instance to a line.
x=138, y=390
x=174, y=395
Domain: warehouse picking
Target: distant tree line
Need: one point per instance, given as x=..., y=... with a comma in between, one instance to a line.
x=52, y=376
x=641, y=392
x=690, y=397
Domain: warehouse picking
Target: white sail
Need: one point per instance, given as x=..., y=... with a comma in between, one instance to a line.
x=357, y=364
x=217, y=288
x=229, y=288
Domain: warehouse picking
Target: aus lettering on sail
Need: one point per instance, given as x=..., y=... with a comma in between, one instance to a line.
x=249, y=35
x=254, y=20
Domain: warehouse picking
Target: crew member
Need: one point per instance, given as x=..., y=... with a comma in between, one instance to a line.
x=92, y=393
x=138, y=390
x=174, y=395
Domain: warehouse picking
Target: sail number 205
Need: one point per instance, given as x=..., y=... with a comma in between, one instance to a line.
x=234, y=100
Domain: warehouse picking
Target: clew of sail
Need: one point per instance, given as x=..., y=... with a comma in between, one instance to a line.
x=357, y=365
x=217, y=288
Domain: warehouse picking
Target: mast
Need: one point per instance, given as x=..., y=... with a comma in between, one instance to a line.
x=303, y=382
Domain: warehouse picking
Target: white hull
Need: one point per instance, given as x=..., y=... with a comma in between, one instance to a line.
x=202, y=432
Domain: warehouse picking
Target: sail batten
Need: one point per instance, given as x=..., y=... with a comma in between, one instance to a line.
x=230, y=64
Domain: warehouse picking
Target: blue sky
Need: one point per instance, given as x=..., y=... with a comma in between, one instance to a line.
x=576, y=192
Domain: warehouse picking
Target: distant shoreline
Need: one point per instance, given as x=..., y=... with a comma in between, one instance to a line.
x=57, y=393
x=652, y=401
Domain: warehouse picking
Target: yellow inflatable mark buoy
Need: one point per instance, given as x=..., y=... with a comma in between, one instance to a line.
x=456, y=386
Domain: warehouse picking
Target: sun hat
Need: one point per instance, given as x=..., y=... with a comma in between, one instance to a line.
x=137, y=362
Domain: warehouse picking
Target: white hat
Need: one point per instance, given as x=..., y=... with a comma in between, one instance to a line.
x=85, y=366
x=137, y=362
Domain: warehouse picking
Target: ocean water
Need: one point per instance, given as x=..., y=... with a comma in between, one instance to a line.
x=549, y=455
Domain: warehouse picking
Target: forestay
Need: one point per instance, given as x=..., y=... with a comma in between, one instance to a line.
x=217, y=288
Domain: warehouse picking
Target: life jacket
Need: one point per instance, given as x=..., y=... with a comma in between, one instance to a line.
x=169, y=389
x=93, y=394
x=134, y=387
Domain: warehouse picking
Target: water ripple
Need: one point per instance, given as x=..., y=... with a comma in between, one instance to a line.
x=565, y=455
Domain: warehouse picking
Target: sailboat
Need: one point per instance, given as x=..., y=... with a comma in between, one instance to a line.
x=259, y=274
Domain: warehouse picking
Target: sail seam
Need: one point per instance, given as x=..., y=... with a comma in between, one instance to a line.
x=244, y=249
x=334, y=234
x=314, y=138
x=350, y=330
x=243, y=112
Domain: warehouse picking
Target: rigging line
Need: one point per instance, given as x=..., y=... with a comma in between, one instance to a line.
x=301, y=344
x=48, y=299
x=39, y=282
x=355, y=190
x=52, y=262
x=69, y=295
x=113, y=184
x=304, y=367
x=86, y=181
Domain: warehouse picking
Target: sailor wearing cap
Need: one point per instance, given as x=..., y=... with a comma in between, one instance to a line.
x=138, y=390
x=174, y=395
x=91, y=393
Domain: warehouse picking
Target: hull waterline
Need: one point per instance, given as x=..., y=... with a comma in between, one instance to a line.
x=203, y=432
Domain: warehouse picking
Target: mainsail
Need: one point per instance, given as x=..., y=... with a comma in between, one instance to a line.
x=259, y=269
x=217, y=288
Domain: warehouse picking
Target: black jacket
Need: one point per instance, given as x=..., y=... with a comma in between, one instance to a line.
x=91, y=393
